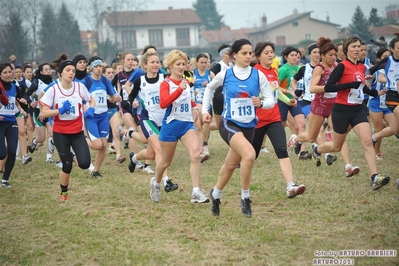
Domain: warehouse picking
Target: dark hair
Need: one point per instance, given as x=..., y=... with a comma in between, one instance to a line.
x=56, y=63
x=380, y=52
x=222, y=46
x=260, y=46
x=394, y=40
x=18, y=66
x=348, y=40
x=40, y=68
x=148, y=47
x=382, y=38
x=287, y=50
x=26, y=67
x=237, y=45
x=4, y=65
x=325, y=45
x=199, y=56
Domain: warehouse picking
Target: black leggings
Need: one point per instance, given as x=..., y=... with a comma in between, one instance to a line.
x=9, y=133
x=64, y=142
x=276, y=133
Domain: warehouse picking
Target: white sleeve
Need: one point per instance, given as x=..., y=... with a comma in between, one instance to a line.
x=210, y=89
x=265, y=89
x=48, y=97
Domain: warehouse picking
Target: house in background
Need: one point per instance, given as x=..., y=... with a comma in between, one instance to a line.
x=224, y=35
x=89, y=41
x=293, y=29
x=165, y=29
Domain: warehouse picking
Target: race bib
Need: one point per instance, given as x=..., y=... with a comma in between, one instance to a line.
x=356, y=96
x=242, y=110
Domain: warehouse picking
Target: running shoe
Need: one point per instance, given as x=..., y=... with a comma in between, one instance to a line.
x=148, y=170
x=5, y=184
x=291, y=142
x=32, y=147
x=199, y=197
x=139, y=165
x=378, y=156
x=96, y=174
x=120, y=134
x=264, y=150
x=379, y=181
x=215, y=208
x=204, y=157
x=246, y=207
x=50, y=145
x=111, y=150
x=121, y=159
x=155, y=191
x=295, y=190
x=303, y=155
x=351, y=170
x=170, y=186
x=49, y=160
x=26, y=159
x=63, y=196
x=316, y=155
x=58, y=164
x=328, y=136
x=373, y=139
x=330, y=159
x=132, y=164
x=297, y=148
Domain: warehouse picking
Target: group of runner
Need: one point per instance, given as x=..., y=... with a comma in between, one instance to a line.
x=244, y=96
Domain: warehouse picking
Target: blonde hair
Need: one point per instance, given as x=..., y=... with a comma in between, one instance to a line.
x=144, y=58
x=175, y=55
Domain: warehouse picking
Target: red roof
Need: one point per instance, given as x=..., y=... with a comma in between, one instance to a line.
x=385, y=30
x=152, y=17
x=225, y=35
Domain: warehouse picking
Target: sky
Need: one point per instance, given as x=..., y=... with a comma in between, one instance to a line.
x=247, y=13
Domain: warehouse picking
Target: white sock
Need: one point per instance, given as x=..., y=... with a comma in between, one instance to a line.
x=289, y=185
x=196, y=189
x=245, y=194
x=216, y=193
x=165, y=179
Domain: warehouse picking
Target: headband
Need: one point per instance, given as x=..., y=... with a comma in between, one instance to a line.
x=96, y=62
x=223, y=51
x=311, y=47
x=64, y=64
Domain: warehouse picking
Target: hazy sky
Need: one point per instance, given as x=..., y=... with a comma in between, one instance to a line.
x=247, y=13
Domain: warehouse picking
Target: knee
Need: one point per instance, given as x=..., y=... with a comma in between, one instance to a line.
x=281, y=152
x=67, y=167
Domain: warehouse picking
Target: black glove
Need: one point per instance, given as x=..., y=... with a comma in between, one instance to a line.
x=125, y=105
x=298, y=93
x=373, y=93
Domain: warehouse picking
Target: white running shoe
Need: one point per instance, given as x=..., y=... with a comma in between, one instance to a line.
x=139, y=165
x=291, y=142
x=26, y=159
x=264, y=150
x=50, y=145
x=148, y=170
x=199, y=197
x=49, y=160
x=295, y=190
x=91, y=168
x=155, y=192
x=58, y=164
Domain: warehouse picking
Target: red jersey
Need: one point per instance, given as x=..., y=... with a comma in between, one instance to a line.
x=352, y=72
x=268, y=116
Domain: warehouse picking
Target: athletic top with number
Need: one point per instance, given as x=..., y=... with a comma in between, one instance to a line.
x=177, y=101
x=70, y=122
x=305, y=74
x=99, y=90
x=198, y=87
x=266, y=117
x=380, y=99
x=391, y=68
x=347, y=72
x=8, y=111
x=36, y=87
x=122, y=77
x=148, y=91
x=323, y=81
x=239, y=86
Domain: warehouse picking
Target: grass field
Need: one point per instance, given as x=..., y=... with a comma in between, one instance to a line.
x=113, y=221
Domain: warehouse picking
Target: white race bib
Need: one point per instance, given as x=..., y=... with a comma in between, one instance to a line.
x=242, y=109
